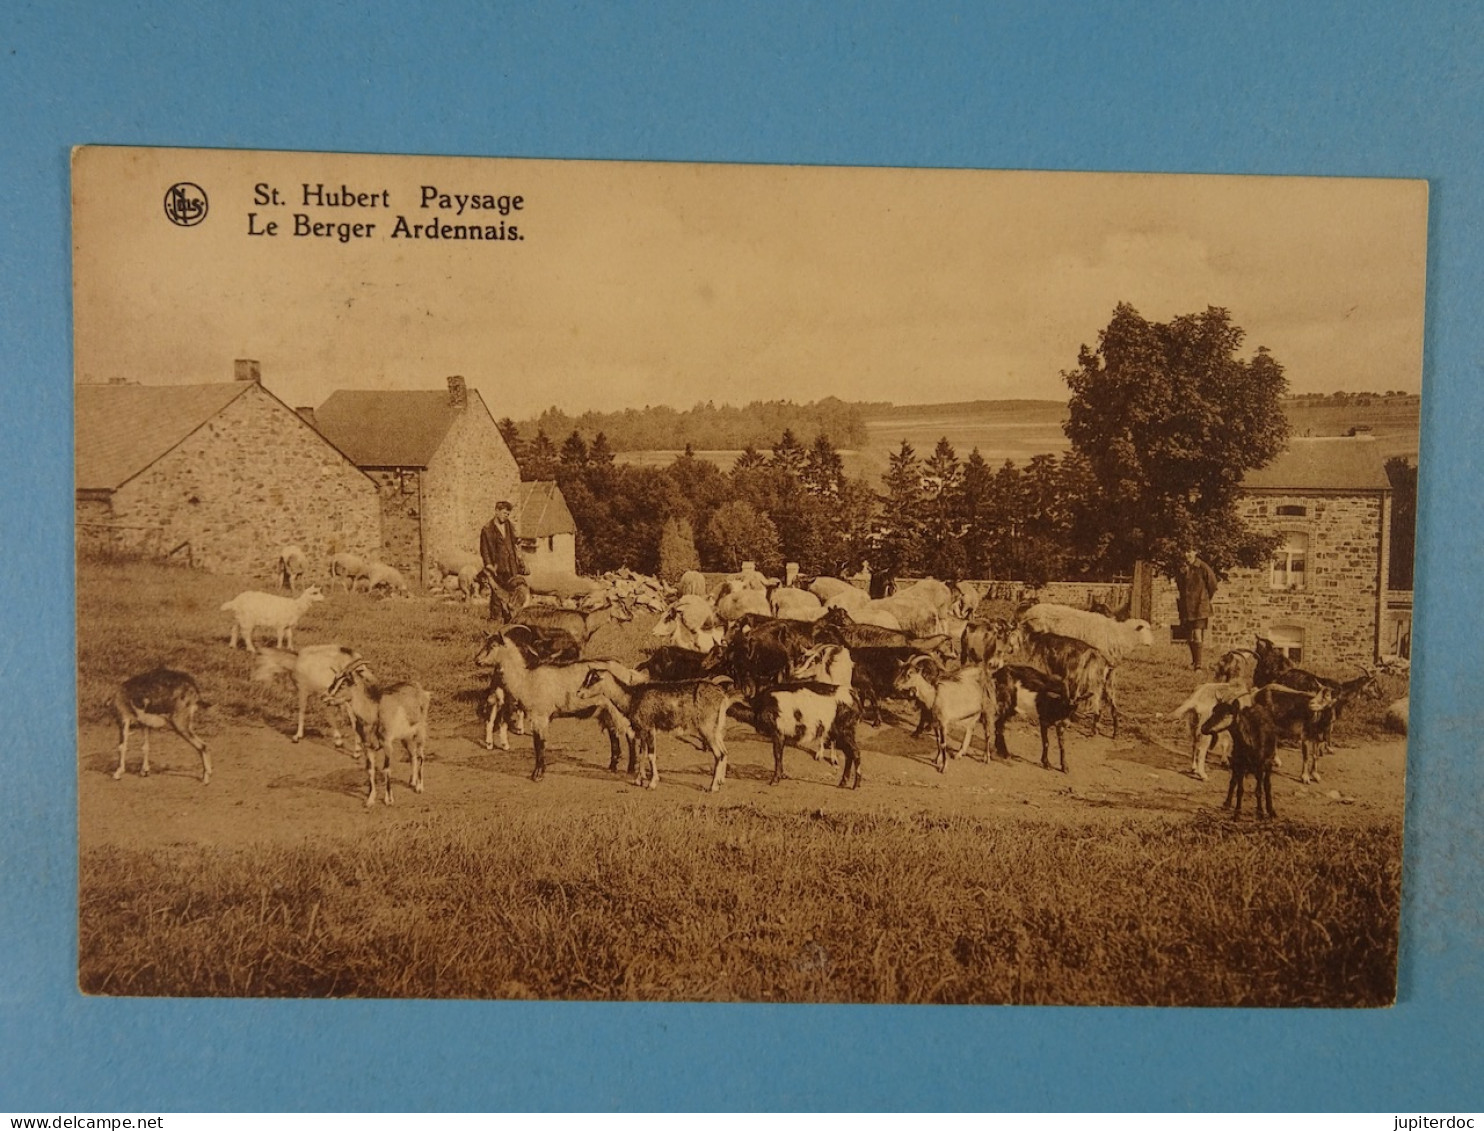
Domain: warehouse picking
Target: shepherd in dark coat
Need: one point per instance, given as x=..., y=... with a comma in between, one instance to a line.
x=503, y=565
x=1195, y=584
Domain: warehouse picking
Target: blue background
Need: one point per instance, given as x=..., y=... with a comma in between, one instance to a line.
x=1355, y=89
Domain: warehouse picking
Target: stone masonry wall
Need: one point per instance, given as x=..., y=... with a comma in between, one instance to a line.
x=471, y=471
x=400, y=493
x=251, y=480
x=1336, y=609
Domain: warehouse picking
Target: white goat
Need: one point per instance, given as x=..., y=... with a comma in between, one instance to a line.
x=313, y=668
x=1114, y=639
x=953, y=700
x=384, y=716
x=1197, y=710
x=380, y=574
x=292, y=565
x=154, y=700
x=254, y=609
x=348, y=568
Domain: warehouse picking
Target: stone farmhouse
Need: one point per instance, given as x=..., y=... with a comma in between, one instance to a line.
x=546, y=528
x=221, y=476
x=439, y=462
x=1323, y=597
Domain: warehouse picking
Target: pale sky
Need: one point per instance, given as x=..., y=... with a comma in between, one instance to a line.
x=646, y=283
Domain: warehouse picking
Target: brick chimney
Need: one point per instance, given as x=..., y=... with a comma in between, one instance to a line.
x=306, y=413
x=245, y=370
x=458, y=395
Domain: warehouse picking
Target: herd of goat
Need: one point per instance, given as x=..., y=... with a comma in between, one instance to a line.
x=802, y=665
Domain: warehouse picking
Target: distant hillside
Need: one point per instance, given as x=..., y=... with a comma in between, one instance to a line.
x=707, y=426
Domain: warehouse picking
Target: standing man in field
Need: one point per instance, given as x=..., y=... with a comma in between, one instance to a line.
x=503, y=566
x=1195, y=585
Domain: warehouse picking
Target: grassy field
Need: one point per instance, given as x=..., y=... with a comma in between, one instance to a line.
x=1124, y=884
x=697, y=904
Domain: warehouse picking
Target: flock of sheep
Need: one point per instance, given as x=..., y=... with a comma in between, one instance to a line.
x=801, y=665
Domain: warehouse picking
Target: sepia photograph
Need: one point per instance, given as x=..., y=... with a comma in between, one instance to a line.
x=639, y=581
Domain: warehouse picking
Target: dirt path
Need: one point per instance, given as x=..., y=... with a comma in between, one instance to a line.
x=266, y=789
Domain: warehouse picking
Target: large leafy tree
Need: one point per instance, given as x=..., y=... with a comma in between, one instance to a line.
x=1169, y=418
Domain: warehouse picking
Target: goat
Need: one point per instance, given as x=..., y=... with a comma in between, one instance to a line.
x=1197, y=710
x=993, y=639
x=1085, y=670
x=952, y=700
x=582, y=624
x=1237, y=666
x=696, y=707
x=1254, y=735
x=854, y=634
x=348, y=568
x=1017, y=688
x=966, y=599
x=291, y=567
x=810, y=716
x=1114, y=639
x=543, y=692
x=155, y=700
x=667, y=663
x=313, y=667
x=384, y=716
x=1303, y=715
x=381, y=574
x=875, y=678
x=254, y=609
x=1341, y=693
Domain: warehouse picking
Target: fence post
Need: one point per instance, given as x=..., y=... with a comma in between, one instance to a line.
x=1141, y=592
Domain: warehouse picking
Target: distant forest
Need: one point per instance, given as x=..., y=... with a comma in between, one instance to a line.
x=708, y=426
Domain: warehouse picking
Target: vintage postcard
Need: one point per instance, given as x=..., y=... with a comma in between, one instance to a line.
x=623, y=581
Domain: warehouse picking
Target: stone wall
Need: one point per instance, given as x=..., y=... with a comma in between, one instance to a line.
x=553, y=553
x=400, y=493
x=471, y=471
x=251, y=480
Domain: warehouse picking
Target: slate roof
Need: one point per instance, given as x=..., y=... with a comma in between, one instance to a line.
x=1324, y=463
x=540, y=510
x=120, y=430
x=390, y=428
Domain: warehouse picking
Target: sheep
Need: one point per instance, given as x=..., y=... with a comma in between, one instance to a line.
x=469, y=581
x=1114, y=639
x=953, y=700
x=826, y=588
x=1396, y=716
x=848, y=597
x=1086, y=671
x=1197, y=710
x=1017, y=688
x=254, y=609
x=696, y=707
x=691, y=622
x=730, y=606
x=795, y=604
x=692, y=584
x=313, y=667
x=379, y=575
x=349, y=568
x=384, y=716
x=929, y=591
x=1254, y=735
x=543, y=692
x=810, y=715
x=292, y=565
x=154, y=700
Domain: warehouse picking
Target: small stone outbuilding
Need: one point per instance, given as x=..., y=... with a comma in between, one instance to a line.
x=439, y=462
x=546, y=528
x=1323, y=597
x=218, y=475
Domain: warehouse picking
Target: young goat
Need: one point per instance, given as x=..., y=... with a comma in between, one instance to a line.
x=1085, y=670
x=253, y=609
x=154, y=700
x=384, y=717
x=1197, y=709
x=696, y=707
x=951, y=700
x=1254, y=734
x=314, y=667
x=1020, y=689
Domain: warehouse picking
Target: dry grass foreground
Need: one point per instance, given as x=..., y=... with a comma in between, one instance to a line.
x=1121, y=882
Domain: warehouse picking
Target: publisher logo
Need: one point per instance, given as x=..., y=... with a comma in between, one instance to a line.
x=185, y=204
